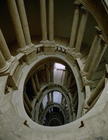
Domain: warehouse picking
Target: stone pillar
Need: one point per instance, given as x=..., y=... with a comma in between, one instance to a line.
x=34, y=85
x=51, y=72
x=4, y=48
x=97, y=91
x=75, y=98
x=27, y=101
x=48, y=73
x=51, y=20
x=37, y=82
x=69, y=79
x=104, y=47
x=16, y=22
x=43, y=19
x=24, y=22
x=75, y=24
x=37, y=107
x=81, y=29
x=65, y=78
x=48, y=97
x=51, y=97
x=3, y=64
x=27, y=108
x=91, y=54
x=95, y=60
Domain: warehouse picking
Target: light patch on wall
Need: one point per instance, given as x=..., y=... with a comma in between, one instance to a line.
x=57, y=97
x=45, y=100
x=59, y=66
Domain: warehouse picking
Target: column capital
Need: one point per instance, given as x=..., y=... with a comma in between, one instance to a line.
x=103, y=41
x=98, y=31
x=101, y=37
x=83, y=9
x=77, y=3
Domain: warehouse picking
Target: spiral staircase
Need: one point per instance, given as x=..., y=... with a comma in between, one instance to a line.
x=53, y=70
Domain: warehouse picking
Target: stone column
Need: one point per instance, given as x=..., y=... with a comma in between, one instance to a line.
x=34, y=85
x=16, y=22
x=48, y=97
x=43, y=19
x=37, y=107
x=75, y=98
x=4, y=48
x=24, y=22
x=48, y=73
x=94, y=60
x=27, y=108
x=104, y=47
x=3, y=64
x=52, y=97
x=51, y=20
x=51, y=72
x=81, y=29
x=27, y=101
x=97, y=91
x=37, y=82
x=91, y=54
x=75, y=24
x=65, y=78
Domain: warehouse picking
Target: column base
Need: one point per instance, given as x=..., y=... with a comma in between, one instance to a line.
x=73, y=52
x=11, y=59
x=9, y=66
x=87, y=82
x=86, y=108
x=71, y=49
x=77, y=54
x=83, y=73
x=48, y=43
x=4, y=69
x=52, y=43
x=26, y=49
x=44, y=42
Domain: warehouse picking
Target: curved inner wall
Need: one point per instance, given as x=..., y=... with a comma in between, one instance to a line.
x=51, y=93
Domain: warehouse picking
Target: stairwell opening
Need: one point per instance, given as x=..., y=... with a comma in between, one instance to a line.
x=51, y=94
